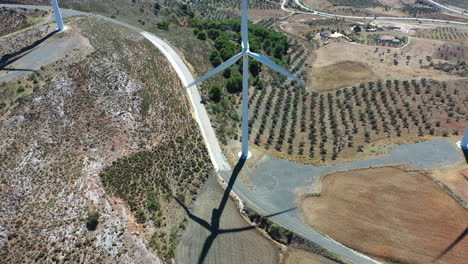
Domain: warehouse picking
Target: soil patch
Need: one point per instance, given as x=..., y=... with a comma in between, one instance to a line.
x=389, y=213
x=341, y=74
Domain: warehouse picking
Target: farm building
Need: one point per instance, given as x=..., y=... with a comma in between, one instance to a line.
x=325, y=34
x=388, y=38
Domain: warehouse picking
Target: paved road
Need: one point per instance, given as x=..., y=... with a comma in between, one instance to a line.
x=319, y=13
x=446, y=8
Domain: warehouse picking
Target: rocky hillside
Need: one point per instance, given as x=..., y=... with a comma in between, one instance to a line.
x=107, y=113
x=12, y=19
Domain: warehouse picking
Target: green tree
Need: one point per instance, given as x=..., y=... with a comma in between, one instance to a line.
x=215, y=93
x=255, y=67
x=201, y=35
x=227, y=52
x=259, y=83
x=227, y=73
x=234, y=84
x=217, y=61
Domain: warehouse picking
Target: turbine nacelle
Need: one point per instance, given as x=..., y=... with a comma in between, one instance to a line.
x=245, y=50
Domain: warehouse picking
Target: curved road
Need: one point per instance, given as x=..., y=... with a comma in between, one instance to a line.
x=319, y=13
x=446, y=8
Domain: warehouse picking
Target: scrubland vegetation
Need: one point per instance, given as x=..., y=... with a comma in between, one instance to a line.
x=12, y=20
x=147, y=181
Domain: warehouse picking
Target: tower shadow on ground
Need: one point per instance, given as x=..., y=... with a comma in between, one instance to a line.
x=465, y=153
x=214, y=226
x=9, y=58
x=451, y=246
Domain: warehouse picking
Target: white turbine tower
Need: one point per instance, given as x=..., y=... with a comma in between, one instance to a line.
x=463, y=144
x=58, y=15
x=245, y=53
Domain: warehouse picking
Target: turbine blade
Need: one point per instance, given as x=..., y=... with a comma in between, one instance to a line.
x=245, y=24
x=213, y=72
x=276, y=67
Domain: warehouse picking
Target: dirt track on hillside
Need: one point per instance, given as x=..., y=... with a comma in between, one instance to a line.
x=389, y=213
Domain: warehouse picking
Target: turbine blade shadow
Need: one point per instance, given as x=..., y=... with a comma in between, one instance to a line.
x=213, y=72
x=14, y=69
x=195, y=218
x=282, y=212
x=454, y=243
x=206, y=247
x=276, y=67
x=235, y=230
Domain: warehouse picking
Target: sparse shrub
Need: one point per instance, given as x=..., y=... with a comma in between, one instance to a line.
x=92, y=221
x=163, y=24
x=20, y=89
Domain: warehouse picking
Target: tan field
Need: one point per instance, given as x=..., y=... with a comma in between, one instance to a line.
x=335, y=57
x=389, y=213
x=343, y=74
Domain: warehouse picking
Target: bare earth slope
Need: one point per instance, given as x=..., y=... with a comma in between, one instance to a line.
x=389, y=213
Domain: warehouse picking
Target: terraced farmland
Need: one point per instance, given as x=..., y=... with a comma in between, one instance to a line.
x=227, y=9
x=291, y=120
x=445, y=33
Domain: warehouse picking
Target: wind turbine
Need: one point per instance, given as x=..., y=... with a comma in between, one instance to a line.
x=245, y=54
x=58, y=16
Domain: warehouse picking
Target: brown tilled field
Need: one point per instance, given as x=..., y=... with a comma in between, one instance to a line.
x=389, y=213
x=248, y=246
x=299, y=256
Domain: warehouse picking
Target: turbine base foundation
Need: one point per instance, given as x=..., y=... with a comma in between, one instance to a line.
x=249, y=155
x=459, y=145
